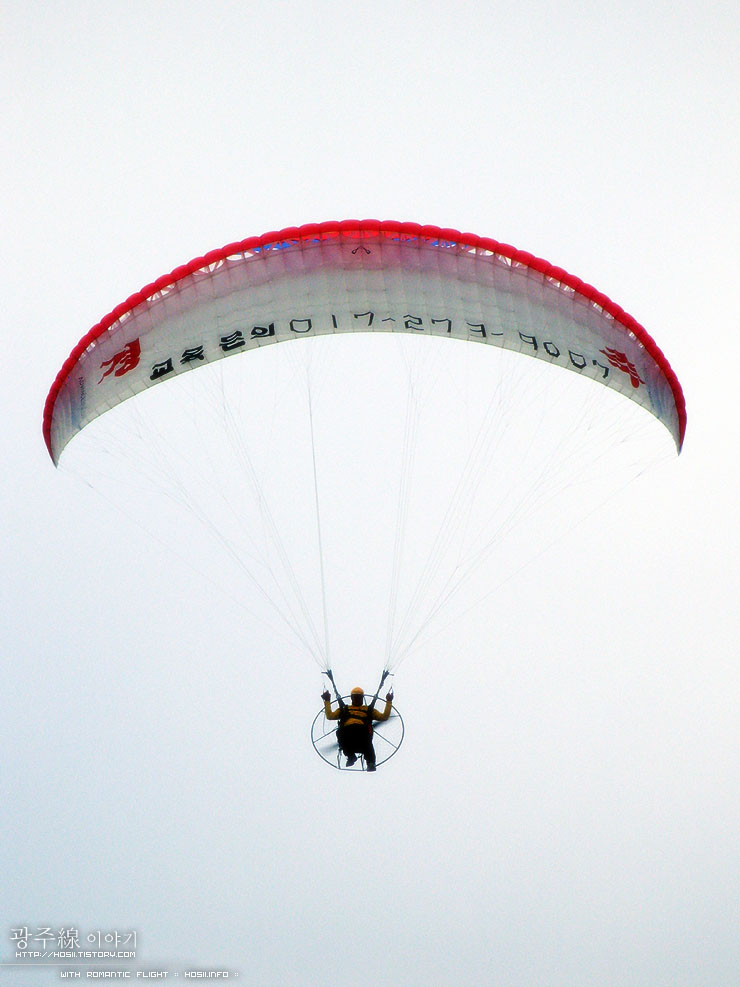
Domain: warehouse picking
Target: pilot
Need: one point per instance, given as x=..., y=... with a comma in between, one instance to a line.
x=355, y=730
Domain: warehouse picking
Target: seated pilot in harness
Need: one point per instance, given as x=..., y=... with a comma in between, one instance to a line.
x=355, y=730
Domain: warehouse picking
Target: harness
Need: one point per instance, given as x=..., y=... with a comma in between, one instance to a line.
x=361, y=713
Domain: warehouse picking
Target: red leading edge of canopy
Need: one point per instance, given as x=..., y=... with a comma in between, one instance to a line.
x=361, y=228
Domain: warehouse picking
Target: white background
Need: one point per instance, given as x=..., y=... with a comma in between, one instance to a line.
x=566, y=806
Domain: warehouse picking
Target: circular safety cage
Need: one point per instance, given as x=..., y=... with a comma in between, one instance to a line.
x=387, y=738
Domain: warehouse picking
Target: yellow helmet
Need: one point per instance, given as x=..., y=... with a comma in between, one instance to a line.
x=357, y=691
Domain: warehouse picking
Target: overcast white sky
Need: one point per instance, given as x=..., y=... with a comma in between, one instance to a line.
x=565, y=808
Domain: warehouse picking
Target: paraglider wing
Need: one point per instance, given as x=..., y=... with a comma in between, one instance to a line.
x=357, y=276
